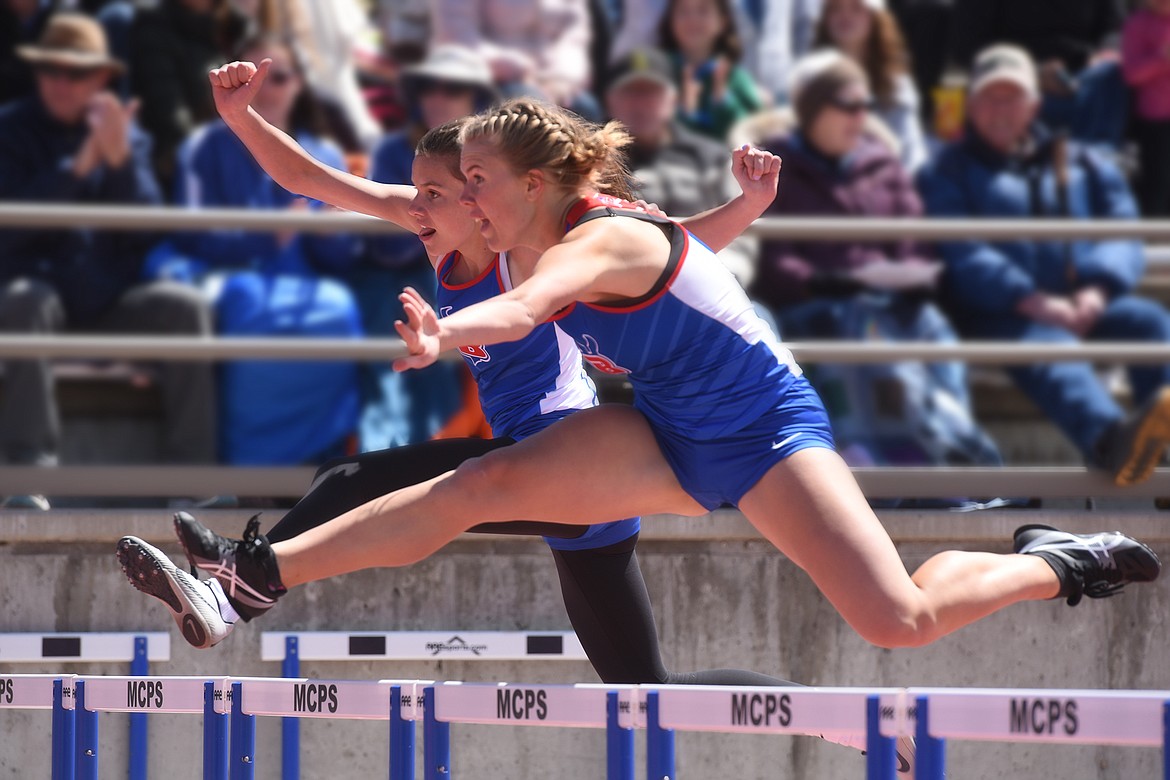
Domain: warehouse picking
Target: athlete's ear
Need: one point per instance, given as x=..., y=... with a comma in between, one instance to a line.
x=534, y=184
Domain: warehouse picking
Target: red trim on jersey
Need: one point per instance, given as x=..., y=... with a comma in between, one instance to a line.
x=483, y=274
x=499, y=274
x=441, y=266
x=597, y=201
x=619, y=309
x=560, y=315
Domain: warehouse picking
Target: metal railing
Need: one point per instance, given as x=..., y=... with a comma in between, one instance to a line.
x=293, y=481
x=384, y=349
x=162, y=218
x=877, y=483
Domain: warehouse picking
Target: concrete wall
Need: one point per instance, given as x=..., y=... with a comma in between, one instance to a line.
x=723, y=599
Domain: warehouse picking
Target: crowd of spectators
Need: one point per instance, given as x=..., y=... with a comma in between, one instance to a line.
x=1062, y=114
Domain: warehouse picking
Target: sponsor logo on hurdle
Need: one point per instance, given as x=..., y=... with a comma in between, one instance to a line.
x=454, y=645
x=144, y=694
x=888, y=713
x=5, y=690
x=308, y=697
x=1044, y=716
x=219, y=695
x=760, y=709
x=521, y=704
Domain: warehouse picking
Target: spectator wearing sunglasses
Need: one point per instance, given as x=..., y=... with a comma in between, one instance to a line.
x=869, y=34
x=839, y=162
x=403, y=408
x=75, y=141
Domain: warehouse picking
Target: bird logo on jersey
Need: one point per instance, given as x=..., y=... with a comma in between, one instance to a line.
x=474, y=354
x=592, y=354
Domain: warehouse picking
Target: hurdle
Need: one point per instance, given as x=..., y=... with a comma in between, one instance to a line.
x=291, y=647
x=594, y=706
x=136, y=648
x=935, y=715
x=1072, y=717
x=396, y=701
x=828, y=712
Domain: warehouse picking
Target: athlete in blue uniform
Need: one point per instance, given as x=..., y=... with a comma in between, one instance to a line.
x=525, y=386
x=723, y=400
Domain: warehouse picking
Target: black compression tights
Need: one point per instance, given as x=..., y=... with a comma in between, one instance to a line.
x=603, y=589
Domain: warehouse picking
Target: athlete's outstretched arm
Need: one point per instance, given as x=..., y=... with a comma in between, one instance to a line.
x=758, y=172
x=234, y=86
x=592, y=263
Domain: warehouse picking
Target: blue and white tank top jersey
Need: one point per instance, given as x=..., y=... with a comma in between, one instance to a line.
x=522, y=380
x=700, y=359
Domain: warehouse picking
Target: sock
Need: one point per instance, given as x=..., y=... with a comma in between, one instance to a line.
x=226, y=610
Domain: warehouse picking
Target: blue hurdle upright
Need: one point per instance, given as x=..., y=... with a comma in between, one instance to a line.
x=138, y=649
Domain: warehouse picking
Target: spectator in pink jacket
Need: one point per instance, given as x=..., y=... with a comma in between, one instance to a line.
x=1146, y=61
x=534, y=47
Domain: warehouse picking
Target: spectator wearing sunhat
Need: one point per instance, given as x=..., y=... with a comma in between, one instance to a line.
x=1008, y=165
x=74, y=141
x=453, y=81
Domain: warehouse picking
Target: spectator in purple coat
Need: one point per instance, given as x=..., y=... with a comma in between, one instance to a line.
x=837, y=163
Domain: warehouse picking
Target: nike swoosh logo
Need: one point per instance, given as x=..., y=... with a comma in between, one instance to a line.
x=778, y=444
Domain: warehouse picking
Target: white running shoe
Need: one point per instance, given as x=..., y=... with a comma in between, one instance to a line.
x=197, y=608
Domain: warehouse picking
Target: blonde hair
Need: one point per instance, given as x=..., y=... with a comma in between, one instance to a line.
x=572, y=152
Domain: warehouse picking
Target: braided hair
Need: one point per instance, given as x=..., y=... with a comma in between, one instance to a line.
x=572, y=152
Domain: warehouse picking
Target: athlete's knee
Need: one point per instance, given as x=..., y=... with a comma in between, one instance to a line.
x=482, y=481
x=896, y=632
x=899, y=624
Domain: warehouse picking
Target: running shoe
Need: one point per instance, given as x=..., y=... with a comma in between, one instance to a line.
x=1094, y=565
x=196, y=607
x=905, y=749
x=1135, y=446
x=245, y=568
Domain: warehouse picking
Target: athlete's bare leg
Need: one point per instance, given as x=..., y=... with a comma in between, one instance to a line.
x=810, y=507
x=598, y=465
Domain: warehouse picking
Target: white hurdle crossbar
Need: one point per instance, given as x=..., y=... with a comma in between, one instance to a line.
x=422, y=646
x=1100, y=717
x=1075, y=717
x=607, y=707
x=136, y=648
x=290, y=647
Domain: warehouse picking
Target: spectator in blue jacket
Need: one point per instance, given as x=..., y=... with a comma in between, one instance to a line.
x=75, y=142
x=269, y=284
x=404, y=408
x=1050, y=291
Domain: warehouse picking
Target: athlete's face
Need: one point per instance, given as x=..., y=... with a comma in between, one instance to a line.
x=497, y=197
x=444, y=224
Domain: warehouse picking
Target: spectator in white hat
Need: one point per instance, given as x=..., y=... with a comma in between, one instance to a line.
x=453, y=81
x=1008, y=165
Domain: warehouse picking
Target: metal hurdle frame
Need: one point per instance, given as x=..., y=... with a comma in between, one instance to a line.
x=291, y=647
x=665, y=709
x=596, y=706
x=1052, y=716
x=934, y=715
x=136, y=648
